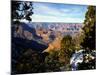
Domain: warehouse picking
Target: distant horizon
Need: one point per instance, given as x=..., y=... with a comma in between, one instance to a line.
x=52, y=22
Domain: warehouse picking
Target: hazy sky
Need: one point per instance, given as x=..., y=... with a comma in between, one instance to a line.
x=54, y=12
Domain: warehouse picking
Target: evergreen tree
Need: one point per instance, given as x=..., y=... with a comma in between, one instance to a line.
x=52, y=62
x=21, y=10
x=90, y=29
x=89, y=41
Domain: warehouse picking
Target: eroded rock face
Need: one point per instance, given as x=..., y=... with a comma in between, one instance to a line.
x=55, y=45
x=21, y=32
x=45, y=32
x=28, y=35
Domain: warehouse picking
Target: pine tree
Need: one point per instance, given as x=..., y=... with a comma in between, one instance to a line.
x=21, y=10
x=90, y=29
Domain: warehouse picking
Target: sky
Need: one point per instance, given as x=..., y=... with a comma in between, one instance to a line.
x=56, y=12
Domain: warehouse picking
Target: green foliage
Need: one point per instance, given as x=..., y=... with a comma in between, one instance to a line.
x=77, y=40
x=52, y=62
x=89, y=41
x=29, y=62
x=21, y=10
x=67, y=45
x=59, y=60
x=90, y=28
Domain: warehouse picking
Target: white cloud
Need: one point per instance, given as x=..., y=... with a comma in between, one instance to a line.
x=44, y=9
x=65, y=10
x=43, y=18
x=46, y=13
